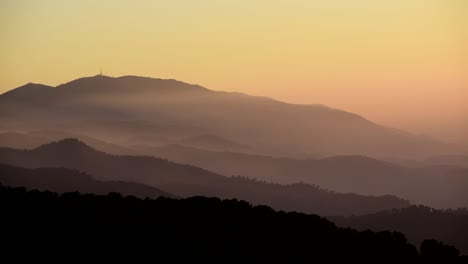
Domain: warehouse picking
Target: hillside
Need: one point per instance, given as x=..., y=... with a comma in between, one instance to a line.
x=65, y=180
x=343, y=174
x=356, y=174
x=198, y=229
x=186, y=180
x=130, y=107
x=417, y=223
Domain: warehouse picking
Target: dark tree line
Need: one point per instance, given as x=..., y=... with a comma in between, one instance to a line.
x=417, y=223
x=196, y=229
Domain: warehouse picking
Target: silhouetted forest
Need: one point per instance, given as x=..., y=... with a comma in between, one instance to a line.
x=185, y=180
x=418, y=223
x=193, y=229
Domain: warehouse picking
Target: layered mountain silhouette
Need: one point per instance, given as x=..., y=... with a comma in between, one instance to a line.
x=154, y=138
x=441, y=186
x=65, y=180
x=132, y=109
x=435, y=184
x=187, y=180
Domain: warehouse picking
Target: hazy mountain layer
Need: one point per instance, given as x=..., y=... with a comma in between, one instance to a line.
x=436, y=185
x=65, y=180
x=186, y=180
x=440, y=186
x=136, y=110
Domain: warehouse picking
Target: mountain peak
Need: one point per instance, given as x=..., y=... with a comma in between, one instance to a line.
x=129, y=83
x=29, y=89
x=67, y=144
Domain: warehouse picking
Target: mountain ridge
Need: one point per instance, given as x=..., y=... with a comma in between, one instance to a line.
x=352, y=173
x=65, y=180
x=267, y=125
x=186, y=180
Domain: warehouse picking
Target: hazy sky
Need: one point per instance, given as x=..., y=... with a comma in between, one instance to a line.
x=402, y=63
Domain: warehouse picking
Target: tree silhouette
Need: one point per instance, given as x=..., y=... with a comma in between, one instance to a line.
x=418, y=222
x=196, y=229
x=434, y=250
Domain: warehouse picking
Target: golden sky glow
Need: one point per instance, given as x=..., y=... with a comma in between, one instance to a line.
x=401, y=63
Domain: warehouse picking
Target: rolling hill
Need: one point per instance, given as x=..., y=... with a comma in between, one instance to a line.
x=440, y=186
x=186, y=180
x=65, y=180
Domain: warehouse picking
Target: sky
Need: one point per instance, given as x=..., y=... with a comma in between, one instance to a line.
x=400, y=63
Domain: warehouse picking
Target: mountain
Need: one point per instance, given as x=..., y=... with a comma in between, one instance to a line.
x=186, y=180
x=65, y=180
x=344, y=174
x=438, y=186
x=417, y=223
x=37, y=138
x=26, y=91
x=129, y=109
x=198, y=229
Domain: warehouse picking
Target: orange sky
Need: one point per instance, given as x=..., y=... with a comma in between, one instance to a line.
x=401, y=63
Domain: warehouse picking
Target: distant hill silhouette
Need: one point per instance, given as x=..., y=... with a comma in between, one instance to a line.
x=103, y=107
x=26, y=91
x=198, y=229
x=417, y=223
x=344, y=174
x=437, y=186
x=40, y=137
x=65, y=180
x=186, y=180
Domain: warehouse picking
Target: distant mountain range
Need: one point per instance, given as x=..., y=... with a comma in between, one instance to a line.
x=63, y=180
x=148, y=137
x=133, y=110
x=440, y=186
x=345, y=174
x=186, y=180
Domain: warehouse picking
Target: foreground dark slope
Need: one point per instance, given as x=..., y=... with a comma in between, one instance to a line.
x=185, y=180
x=437, y=186
x=417, y=223
x=196, y=230
x=137, y=108
x=65, y=180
